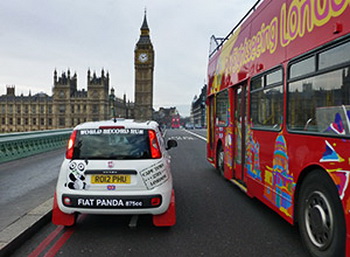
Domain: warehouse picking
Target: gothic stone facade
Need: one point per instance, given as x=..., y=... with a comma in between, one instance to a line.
x=66, y=108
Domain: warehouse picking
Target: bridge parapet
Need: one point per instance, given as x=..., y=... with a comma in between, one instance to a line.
x=18, y=145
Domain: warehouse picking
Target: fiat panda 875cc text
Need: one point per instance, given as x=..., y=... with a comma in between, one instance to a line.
x=116, y=167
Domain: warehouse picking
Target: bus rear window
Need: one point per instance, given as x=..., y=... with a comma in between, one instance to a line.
x=120, y=144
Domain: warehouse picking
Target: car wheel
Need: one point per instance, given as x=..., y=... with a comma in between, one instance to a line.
x=320, y=216
x=220, y=160
x=75, y=217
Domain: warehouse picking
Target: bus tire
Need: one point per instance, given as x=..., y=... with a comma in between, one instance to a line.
x=320, y=216
x=220, y=160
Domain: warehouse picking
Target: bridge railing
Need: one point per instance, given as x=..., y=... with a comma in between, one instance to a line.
x=18, y=145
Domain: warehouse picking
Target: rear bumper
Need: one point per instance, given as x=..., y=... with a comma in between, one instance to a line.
x=147, y=202
x=111, y=202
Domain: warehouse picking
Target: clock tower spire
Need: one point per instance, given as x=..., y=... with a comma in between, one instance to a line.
x=144, y=66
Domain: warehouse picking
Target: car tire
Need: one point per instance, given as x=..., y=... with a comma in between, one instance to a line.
x=75, y=217
x=320, y=216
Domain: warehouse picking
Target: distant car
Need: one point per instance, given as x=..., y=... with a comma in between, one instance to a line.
x=189, y=126
x=116, y=167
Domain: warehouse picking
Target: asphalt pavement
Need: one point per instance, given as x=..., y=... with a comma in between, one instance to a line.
x=26, y=196
x=214, y=218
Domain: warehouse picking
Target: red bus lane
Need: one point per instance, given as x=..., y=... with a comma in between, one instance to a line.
x=55, y=240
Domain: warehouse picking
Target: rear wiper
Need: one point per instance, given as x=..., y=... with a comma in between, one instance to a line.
x=118, y=157
x=126, y=157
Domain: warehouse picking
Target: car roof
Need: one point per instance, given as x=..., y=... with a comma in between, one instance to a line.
x=119, y=122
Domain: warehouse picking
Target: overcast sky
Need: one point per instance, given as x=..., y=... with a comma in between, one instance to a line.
x=39, y=36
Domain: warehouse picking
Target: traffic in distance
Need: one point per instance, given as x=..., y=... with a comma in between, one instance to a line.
x=278, y=104
x=116, y=167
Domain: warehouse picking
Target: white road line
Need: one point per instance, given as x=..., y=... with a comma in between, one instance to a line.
x=196, y=135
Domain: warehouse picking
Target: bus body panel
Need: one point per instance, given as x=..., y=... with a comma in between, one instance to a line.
x=247, y=53
x=279, y=165
x=275, y=161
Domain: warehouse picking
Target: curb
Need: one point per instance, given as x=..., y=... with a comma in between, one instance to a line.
x=19, y=231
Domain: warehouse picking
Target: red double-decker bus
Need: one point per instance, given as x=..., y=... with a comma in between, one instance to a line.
x=175, y=122
x=278, y=111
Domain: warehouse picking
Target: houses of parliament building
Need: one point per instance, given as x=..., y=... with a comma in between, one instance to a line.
x=68, y=106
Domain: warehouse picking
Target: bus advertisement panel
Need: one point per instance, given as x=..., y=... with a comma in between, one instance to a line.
x=278, y=115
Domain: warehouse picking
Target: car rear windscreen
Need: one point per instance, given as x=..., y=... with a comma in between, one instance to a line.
x=109, y=144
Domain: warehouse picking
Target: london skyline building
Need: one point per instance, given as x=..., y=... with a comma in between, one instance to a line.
x=66, y=108
x=144, y=67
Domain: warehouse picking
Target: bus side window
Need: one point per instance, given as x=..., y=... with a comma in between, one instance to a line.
x=318, y=99
x=222, y=107
x=267, y=100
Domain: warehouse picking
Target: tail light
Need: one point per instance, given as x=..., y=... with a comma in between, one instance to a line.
x=153, y=142
x=70, y=147
x=156, y=201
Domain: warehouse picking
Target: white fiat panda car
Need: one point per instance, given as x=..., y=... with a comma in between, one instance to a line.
x=116, y=167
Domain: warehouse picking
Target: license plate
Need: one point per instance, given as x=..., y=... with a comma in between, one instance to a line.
x=110, y=179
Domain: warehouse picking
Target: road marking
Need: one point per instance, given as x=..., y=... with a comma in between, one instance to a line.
x=57, y=233
x=133, y=221
x=42, y=246
x=179, y=138
x=59, y=243
x=196, y=135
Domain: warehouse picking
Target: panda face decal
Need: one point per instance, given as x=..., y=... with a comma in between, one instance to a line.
x=72, y=165
x=76, y=176
x=81, y=167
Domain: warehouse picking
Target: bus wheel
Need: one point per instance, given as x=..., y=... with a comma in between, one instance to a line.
x=321, y=217
x=220, y=160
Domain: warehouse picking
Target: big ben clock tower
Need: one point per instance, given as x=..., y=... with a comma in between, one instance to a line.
x=144, y=66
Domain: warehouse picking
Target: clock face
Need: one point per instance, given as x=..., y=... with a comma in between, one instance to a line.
x=143, y=57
